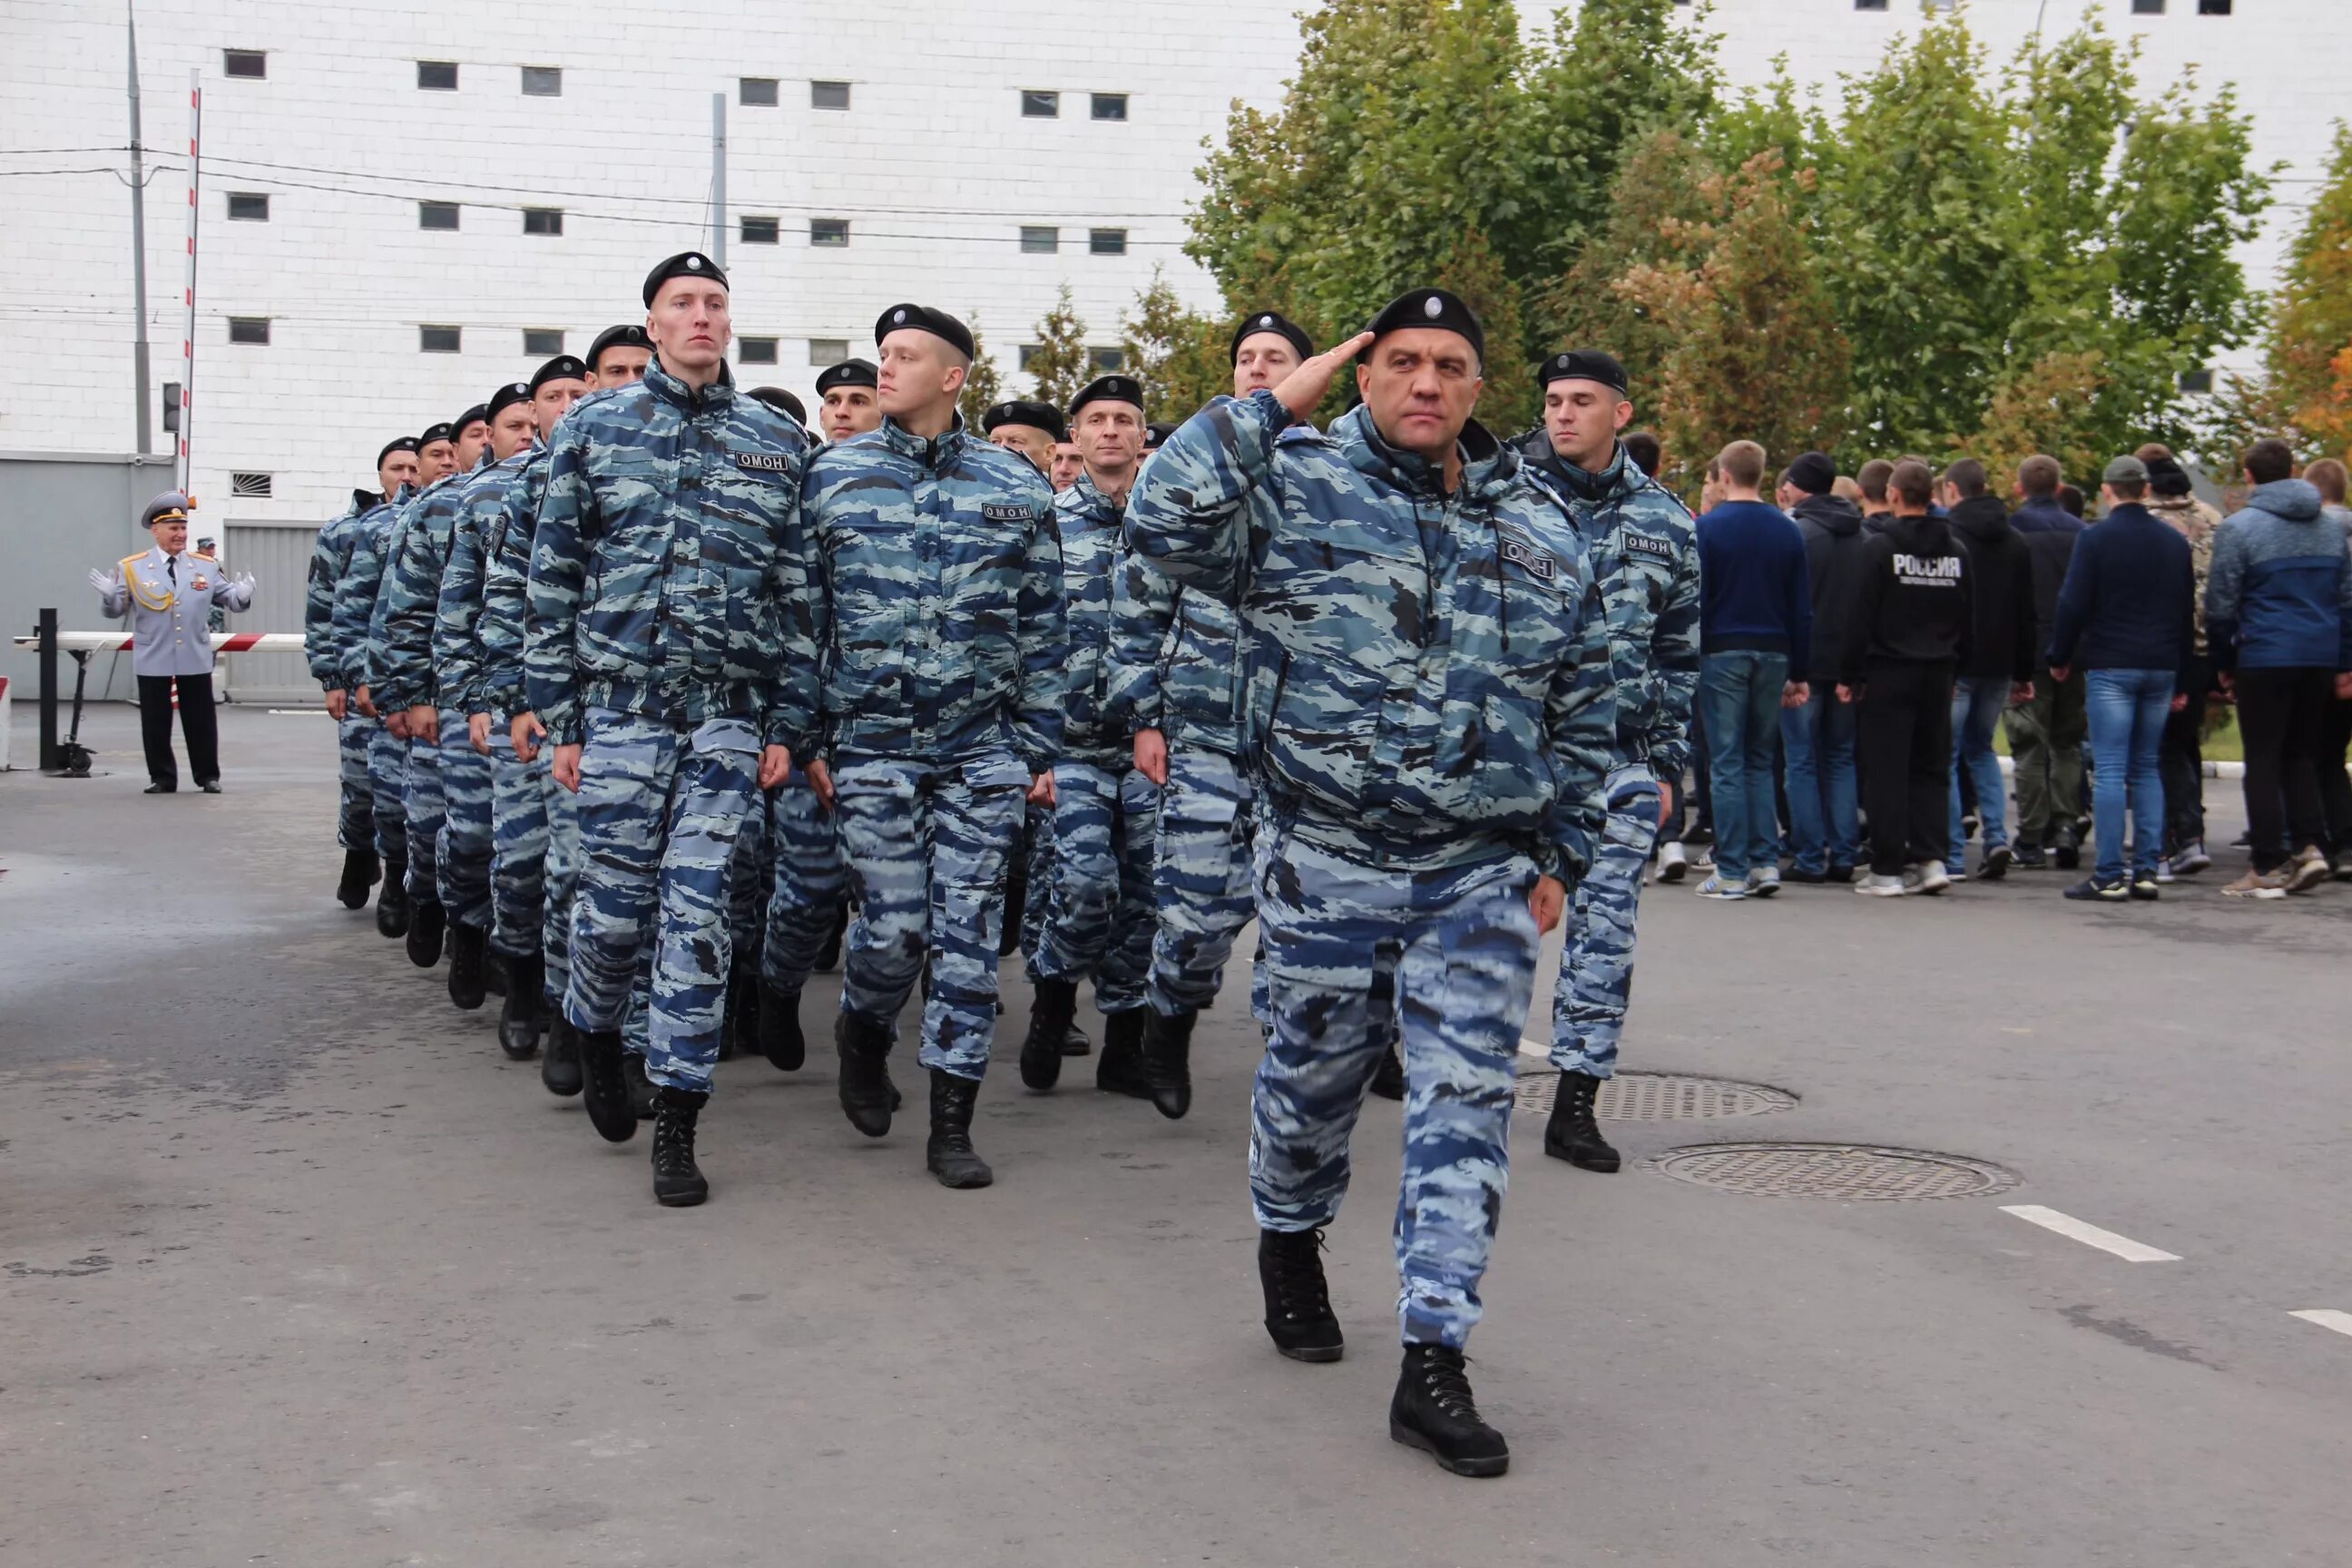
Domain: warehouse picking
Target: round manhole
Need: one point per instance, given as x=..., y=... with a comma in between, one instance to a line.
x=1850, y=1172
x=1660, y=1097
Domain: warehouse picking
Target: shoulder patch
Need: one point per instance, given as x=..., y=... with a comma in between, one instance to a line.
x=1006, y=512
x=764, y=462
x=1649, y=544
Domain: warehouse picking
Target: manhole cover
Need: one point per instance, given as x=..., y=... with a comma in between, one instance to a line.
x=1660, y=1097
x=1854, y=1172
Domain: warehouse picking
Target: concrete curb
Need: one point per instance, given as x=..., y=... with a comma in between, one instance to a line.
x=2231, y=771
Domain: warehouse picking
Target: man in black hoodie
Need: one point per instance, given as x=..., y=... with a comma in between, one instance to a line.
x=1908, y=631
x=2003, y=658
x=2046, y=733
x=1818, y=738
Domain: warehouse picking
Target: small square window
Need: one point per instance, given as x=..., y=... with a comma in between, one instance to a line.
x=2213, y=7
x=1039, y=241
x=440, y=340
x=543, y=342
x=830, y=232
x=542, y=81
x=249, y=330
x=757, y=230
x=1106, y=241
x=2199, y=382
x=1041, y=105
x=436, y=214
x=828, y=95
x=543, y=220
x=248, y=206
x=2148, y=7
x=756, y=92
x=436, y=75
x=1110, y=106
x=1028, y=355
x=1869, y=5
x=1103, y=362
x=250, y=63
x=756, y=350
x=825, y=351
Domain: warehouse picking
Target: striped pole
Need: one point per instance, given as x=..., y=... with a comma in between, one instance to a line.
x=188, y=335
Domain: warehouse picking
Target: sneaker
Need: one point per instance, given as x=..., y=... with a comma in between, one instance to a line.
x=1841, y=875
x=1870, y=885
x=1717, y=887
x=2032, y=857
x=2342, y=861
x=2257, y=885
x=2307, y=870
x=2191, y=859
x=2163, y=873
x=2145, y=885
x=1927, y=877
x=2092, y=887
x=1764, y=882
x=1805, y=878
x=1955, y=870
x=1996, y=863
x=1673, y=863
x=1704, y=860
x=1967, y=828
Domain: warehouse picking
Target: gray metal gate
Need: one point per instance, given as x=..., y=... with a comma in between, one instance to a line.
x=278, y=556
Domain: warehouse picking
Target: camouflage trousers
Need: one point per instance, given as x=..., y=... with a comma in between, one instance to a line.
x=462, y=862
x=1099, y=913
x=1204, y=877
x=518, y=846
x=1450, y=954
x=559, y=880
x=660, y=807
x=355, y=813
x=421, y=799
x=1596, y=963
x=387, y=769
x=749, y=875
x=1036, y=850
x=928, y=844
x=811, y=882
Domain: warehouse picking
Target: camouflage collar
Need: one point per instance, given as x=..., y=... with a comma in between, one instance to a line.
x=1487, y=466
x=1094, y=503
x=933, y=453
x=364, y=500
x=1584, y=485
x=719, y=394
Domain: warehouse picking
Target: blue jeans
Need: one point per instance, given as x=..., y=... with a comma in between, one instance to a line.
x=1739, y=694
x=2127, y=709
x=1824, y=820
x=1978, y=702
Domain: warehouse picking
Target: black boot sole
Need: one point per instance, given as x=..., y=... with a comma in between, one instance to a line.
x=1607, y=1164
x=961, y=1181
x=1314, y=1356
x=682, y=1196
x=1481, y=1469
x=615, y=1119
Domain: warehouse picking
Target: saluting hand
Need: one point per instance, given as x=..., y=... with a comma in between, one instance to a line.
x=1302, y=390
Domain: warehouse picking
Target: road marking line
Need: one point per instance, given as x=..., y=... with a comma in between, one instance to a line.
x=1531, y=1046
x=2326, y=1318
x=2066, y=1225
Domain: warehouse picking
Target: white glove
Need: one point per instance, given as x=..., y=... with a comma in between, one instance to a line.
x=102, y=583
x=244, y=580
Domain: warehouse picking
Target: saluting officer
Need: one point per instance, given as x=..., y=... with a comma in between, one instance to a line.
x=168, y=594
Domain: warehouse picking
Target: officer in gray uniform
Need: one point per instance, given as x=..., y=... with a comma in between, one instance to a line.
x=168, y=593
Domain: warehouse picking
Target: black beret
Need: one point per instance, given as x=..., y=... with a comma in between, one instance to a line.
x=1431, y=308
x=412, y=443
x=562, y=367
x=617, y=338
x=922, y=318
x=1023, y=411
x=1269, y=321
x=848, y=372
x=685, y=263
x=1108, y=389
x=477, y=414
x=506, y=397
x=169, y=507
x=782, y=402
x=1584, y=364
x=1156, y=434
x=1814, y=473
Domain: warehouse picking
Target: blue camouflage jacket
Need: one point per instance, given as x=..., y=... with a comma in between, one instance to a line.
x=352, y=627
x=458, y=657
x=506, y=584
x=400, y=642
x=1094, y=555
x=330, y=560
x=942, y=575
x=669, y=569
x=1428, y=672
x=1643, y=550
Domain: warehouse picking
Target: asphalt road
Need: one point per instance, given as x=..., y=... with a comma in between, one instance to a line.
x=294, y=1269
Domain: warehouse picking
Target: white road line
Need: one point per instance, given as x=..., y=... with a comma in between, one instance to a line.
x=1531, y=1046
x=2326, y=1318
x=2066, y=1225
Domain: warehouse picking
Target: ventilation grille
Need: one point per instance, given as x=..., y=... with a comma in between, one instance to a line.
x=256, y=484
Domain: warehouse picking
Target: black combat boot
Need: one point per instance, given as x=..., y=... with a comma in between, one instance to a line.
x=642, y=1089
x=361, y=869
x=1119, y=1068
x=559, y=1068
x=1433, y=1411
x=608, y=1084
x=392, y=901
x=1388, y=1078
x=948, y=1154
x=1050, y=1010
x=1168, y=1060
x=828, y=957
x=679, y=1182
x=469, y=952
x=519, y=1018
x=1073, y=1041
x=779, y=1030
x=867, y=1096
x=494, y=973
x=1297, y=1302
x=426, y=923
x=744, y=1009
x=1572, y=1135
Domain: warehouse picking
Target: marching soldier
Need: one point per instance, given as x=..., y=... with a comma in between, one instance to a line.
x=168, y=592
x=669, y=652
x=1428, y=704
x=1642, y=550
x=942, y=711
x=1029, y=427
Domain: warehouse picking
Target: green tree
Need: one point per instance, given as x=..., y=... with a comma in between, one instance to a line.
x=1179, y=354
x=1058, y=367
x=2309, y=350
x=982, y=388
x=1658, y=192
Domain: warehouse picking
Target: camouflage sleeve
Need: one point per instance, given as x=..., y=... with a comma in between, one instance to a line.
x=1580, y=728
x=347, y=626
x=1190, y=515
x=410, y=596
x=1674, y=671
x=1043, y=644
x=790, y=715
x=559, y=572
x=331, y=555
x=373, y=646
x=457, y=613
x=1143, y=613
x=506, y=574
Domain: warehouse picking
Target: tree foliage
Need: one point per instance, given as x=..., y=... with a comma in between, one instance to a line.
x=1179, y=354
x=982, y=388
x=2309, y=349
x=1059, y=365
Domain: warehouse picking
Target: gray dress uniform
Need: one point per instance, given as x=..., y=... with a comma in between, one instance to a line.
x=169, y=598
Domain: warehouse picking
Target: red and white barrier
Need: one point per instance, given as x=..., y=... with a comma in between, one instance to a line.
x=223, y=642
